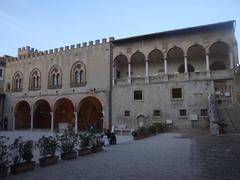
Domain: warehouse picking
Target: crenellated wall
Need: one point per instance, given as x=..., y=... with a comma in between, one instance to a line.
x=95, y=56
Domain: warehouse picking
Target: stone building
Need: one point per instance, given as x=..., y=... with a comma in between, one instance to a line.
x=127, y=83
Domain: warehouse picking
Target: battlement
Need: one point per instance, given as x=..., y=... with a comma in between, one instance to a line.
x=7, y=58
x=28, y=52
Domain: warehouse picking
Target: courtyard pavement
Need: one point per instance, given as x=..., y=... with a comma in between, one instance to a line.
x=165, y=156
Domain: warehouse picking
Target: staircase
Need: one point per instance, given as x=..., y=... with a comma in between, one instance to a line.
x=230, y=115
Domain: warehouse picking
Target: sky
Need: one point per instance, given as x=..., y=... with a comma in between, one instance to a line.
x=49, y=24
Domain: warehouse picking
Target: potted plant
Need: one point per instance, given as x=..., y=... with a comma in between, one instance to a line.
x=22, y=154
x=96, y=141
x=136, y=135
x=67, y=142
x=3, y=156
x=152, y=130
x=84, y=143
x=47, y=147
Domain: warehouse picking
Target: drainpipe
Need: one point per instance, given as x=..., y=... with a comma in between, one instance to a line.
x=110, y=86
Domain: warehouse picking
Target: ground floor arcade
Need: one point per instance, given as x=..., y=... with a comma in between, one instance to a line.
x=42, y=114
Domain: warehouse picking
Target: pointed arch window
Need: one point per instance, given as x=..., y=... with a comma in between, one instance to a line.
x=35, y=83
x=55, y=78
x=78, y=75
x=17, y=81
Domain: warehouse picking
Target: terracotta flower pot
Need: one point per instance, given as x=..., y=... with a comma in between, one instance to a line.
x=47, y=161
x=22, y=167
x=84, y=152
x=3, y=171
x=69, y=156
x=136, y=137
x=96, y=149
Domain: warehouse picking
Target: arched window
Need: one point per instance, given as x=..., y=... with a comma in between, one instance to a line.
x=17, y=81
x=35, y=83
x=55, y=78
x=78, y=74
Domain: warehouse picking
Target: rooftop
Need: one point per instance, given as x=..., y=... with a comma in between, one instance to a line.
x=209, y=27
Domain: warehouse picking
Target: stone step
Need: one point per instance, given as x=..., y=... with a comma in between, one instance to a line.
x=230, y=115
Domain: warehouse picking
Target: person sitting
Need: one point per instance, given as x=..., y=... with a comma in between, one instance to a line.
x=112, y=138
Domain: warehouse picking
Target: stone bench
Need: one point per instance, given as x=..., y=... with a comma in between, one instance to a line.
x=169, y=123
x=122, y=129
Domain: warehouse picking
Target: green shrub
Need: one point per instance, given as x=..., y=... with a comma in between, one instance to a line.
x=152, y=129
x=3, y=151
x=21, y=151
x=84, y=140
x=67, y=141
x=47, y=146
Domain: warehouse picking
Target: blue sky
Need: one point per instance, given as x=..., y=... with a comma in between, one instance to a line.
x=46, y=24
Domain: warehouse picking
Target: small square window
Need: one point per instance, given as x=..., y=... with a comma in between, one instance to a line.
x=204, y=112
x=138, y=95
x=156, y=112
x=183, y=112
x=177, y=93
x=126, y=113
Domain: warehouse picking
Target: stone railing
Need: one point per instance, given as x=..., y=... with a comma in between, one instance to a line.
x=220, y=74
x=138, y=79
x=121, y=81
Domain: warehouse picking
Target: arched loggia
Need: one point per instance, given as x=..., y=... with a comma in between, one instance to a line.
x=42, y=115
x=22, y=115
x=64, y=112
x=90, y=114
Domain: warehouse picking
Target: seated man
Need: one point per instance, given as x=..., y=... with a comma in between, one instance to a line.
x=112, y=138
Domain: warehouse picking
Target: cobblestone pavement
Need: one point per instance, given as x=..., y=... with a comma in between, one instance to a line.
x=165, y=156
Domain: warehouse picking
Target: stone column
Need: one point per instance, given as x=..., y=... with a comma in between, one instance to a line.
x=185, y=64
x=165, y=66
x=207, y=62
x=231, y=59
x=113, y=75
x=31, y=119
x=129, y=73
x=146, y=72
x=14, y=122
x=52, y=121
x=76, y=121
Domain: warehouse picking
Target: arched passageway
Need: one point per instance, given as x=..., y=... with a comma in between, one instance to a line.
x=196, y=57
x=64, y=112
x=155, y=62
x=121, y=66
x=174, y=59
x=138, y=64
x=90, y=114
x=219, y=56
x=22, y=115
x=181, y=68
x=42, y=115
x=217, y=65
